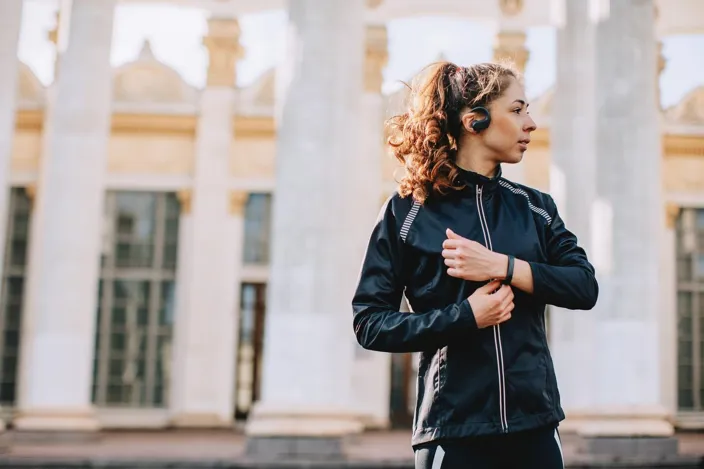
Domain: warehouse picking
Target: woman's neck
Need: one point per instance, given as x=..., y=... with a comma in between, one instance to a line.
x=476, y=161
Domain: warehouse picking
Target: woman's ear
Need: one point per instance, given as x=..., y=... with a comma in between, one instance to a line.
x=467, y=119
x=476, y=120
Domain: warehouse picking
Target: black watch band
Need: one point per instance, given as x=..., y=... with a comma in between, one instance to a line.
x=509, y=270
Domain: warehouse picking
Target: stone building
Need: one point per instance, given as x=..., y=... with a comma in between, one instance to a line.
x=140, y=278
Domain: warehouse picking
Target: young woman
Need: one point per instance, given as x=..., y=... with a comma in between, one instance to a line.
x=478, y=258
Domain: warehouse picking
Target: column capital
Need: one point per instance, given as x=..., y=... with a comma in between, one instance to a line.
x=238, y=199
x=31, y=190
x=376, y=57
x=224, y=50
x=511, y=45
x=53, y=34
x=184, y=197
x=59, y=34
x=662, y=61
x=672, y=212
x=511, y=7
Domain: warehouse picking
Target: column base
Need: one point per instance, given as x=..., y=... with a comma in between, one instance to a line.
x=637, y=447
x=201, y=421
x=56, y=425
x=297, y=433
x=374, y=423
x=295, y=448
x=621, y=422
x=638, y=433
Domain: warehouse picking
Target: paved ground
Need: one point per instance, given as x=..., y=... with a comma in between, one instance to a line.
x=229, y=446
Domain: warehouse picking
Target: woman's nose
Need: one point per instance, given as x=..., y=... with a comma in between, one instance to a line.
x=530, y=125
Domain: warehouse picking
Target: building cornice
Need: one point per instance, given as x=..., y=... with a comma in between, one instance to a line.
x=258, y=127
x=264, y=127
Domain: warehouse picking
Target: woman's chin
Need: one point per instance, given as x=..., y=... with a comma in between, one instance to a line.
x=512, y=158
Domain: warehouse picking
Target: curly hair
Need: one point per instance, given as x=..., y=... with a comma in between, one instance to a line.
x=424, y=138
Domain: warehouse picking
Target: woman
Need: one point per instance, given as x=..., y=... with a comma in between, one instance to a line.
x=478, y=258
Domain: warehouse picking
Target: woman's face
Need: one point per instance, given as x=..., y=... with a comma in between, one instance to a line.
x=508, y=134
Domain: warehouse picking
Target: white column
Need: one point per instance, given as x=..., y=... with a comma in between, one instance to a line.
x=668, y=279
x=668, y=291
x=321, y=220
x=573, y=186
x=59, y=319
x=371, y=377
x=627, y=394
x=205, y=342
x=10, y=19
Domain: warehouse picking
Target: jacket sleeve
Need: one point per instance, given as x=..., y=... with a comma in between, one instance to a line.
x=568, y=279
x=377, y=321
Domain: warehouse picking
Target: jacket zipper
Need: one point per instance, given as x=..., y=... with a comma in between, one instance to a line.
x=496, y=328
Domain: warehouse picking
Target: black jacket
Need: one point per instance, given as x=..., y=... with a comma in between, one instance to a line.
x=471, y=381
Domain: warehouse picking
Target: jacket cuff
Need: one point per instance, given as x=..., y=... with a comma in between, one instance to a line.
x=538, y=283
x=466, y=312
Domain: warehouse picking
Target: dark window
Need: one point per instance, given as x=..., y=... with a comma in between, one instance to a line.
x=136, y=300
x=14, y=275
x=257, y=223
x=690, y=310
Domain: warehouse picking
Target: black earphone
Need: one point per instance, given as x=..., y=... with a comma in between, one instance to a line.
x=480, y=124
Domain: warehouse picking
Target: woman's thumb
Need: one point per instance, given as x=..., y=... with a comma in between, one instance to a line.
x=451, y=234
x=490, y=287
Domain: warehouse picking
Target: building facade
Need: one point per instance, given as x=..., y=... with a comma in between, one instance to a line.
x=138, y=231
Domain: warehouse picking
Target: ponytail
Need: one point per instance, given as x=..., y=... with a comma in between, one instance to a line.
x=422, y=138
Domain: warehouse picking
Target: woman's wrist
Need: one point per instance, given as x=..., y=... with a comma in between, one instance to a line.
x=500, y=267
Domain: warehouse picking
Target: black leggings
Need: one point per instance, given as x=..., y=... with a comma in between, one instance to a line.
x=534, y=449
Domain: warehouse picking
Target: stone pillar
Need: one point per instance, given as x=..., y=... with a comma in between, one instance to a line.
x=511, y=38
x=668, y=289
x=10, y=19
x=371, y=378
x=321, y=218
x=205, y=342
x=58, y=330
x=573, y=186
x=627, y=397
x=668, y=272
x=510, y=45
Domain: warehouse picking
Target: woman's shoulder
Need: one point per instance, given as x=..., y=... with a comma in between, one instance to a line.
x=398, y=212
x=399, y=205
x=531, y=193
x=539, y=202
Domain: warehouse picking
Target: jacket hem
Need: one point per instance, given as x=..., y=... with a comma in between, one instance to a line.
x=447, y=432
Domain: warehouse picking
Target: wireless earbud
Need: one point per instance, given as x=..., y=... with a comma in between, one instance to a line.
x=480, y=124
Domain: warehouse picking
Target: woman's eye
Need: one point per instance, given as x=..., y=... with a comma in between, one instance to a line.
x=517, y=111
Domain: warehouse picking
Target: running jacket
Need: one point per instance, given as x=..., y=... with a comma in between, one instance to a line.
x=471, y=381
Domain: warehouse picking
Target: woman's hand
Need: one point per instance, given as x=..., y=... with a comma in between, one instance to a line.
x=470, y=260
x=491, y=304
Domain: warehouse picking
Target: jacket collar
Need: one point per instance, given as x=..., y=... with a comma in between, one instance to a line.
x=473, y=180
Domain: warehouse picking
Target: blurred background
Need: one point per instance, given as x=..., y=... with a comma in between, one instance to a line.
x=143, y=144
